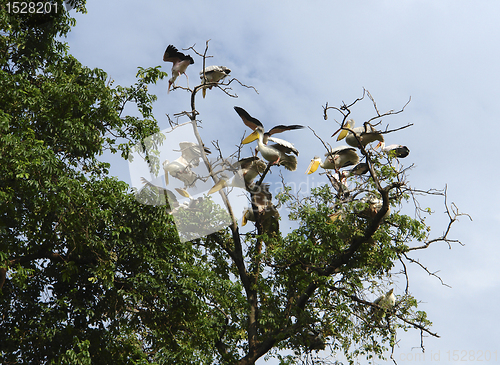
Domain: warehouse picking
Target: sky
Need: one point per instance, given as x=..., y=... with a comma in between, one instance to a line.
x=444, y=55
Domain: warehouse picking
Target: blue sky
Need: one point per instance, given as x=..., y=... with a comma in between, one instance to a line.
x=299, y=55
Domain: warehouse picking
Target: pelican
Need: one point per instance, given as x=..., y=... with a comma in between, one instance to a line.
x=316, y=162
x=180, y=169
x=212, y=75
x=262, y=200
x=247, y=216
x=337, y=158
x=396, y=150
x=366, y=134
x=385, y=302
x=247, y=169
x=254, y=123
x=278, y=153
x=170, y=198
x=360, y=169
x=269, y=219
x=374, y=205
x=191, y=204
x=191, y=152
x=180, y=63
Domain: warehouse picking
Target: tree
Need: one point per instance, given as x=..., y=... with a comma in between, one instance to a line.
x=90, y=275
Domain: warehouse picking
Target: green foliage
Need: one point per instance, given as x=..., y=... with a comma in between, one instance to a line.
x=92, y=275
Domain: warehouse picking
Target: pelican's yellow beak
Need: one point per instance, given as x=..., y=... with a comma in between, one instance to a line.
x=183, y=192
x=220, y=184
x=244, y=220
x=252, y=137
x=343, y=132
x=379, y=144
x=313, y=166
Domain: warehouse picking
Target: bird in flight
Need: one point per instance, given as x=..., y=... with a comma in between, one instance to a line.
x=180, y=63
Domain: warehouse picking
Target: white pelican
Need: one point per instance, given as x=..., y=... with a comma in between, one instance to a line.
x=374, y=205
x=191, y=204
x=366, y=134
x=180, y=63
x=191, y=152
x=180, y=169
x=253, y=123
x=385, y=302
x=318, y=162
x=277, y=153
x=337, y=158
x=396, y=150
x=212, y=75
x=269, y=219
x=247, y=169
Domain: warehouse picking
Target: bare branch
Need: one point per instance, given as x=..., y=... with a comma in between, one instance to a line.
x=453, y=216
x=425, y=269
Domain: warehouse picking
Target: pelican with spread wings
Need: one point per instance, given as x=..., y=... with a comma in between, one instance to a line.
x=254, y=123
x=278, y=153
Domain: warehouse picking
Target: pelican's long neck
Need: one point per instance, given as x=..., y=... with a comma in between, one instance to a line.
x=260, y=141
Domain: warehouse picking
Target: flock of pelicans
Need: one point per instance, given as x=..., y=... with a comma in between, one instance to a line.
x=274, y=150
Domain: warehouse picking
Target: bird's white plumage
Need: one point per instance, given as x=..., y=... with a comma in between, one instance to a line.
x=363, y=135
x=397, y=150
x=276, y=153
x=342, y=156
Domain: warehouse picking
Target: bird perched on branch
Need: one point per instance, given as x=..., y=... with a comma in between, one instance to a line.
x=253, y=123
x=264, y=207
x=373, y=206
x=191, y=204
x=278, y=153
x=212, y=75
x=180, y=63
x=247, y=169
x=191, y=152
x=181, y=170
x=360, y=169
x=365, y=134
x=337, y=158
x=386, y=303
x=181, y=167
x=395, y=150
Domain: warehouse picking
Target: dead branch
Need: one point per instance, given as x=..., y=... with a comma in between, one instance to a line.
x=453, y=216
x=329, y=147
x=426, y=270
